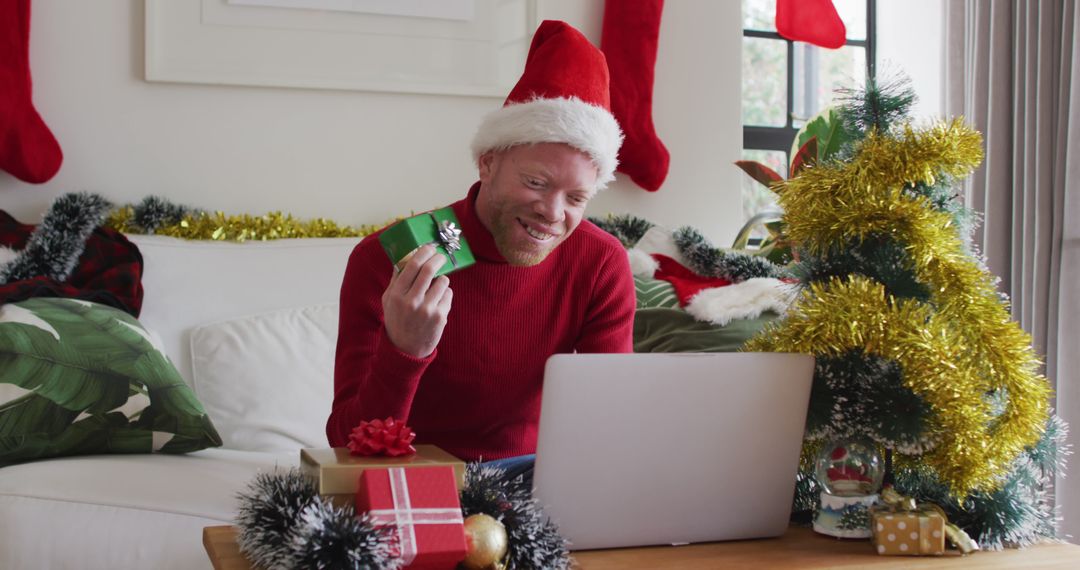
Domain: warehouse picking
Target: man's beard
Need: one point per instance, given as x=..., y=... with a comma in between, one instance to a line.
x=516, y=256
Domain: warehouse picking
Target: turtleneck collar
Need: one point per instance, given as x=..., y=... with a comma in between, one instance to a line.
x=480, y=239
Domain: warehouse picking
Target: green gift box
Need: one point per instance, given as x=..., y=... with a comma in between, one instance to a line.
x=438, y=227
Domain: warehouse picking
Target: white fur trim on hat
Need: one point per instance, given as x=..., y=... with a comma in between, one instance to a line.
x=588, y=128
x=641, y=263
x=745, y=300
x=7, y=255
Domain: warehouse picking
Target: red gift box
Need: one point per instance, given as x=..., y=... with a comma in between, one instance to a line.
x=423, y=503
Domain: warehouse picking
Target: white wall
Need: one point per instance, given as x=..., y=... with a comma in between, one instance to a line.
x=356, y=157
x=910, y=40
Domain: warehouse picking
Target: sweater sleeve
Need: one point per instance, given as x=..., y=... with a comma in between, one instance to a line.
x=372, y=378
x=609, y=321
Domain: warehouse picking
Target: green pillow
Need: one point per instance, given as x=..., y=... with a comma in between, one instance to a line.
x=80, y=378
x=675, y=330
x=653, y=293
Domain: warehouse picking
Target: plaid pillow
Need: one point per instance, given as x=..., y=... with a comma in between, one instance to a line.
x=109, y=270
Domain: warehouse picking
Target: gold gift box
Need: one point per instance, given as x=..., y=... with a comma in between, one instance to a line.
x=337, y=471
x=916, y=533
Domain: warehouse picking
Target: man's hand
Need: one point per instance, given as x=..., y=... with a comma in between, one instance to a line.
x=415, y=306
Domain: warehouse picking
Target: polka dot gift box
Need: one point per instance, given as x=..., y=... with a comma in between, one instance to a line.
x=914, y=533
x=901, y=527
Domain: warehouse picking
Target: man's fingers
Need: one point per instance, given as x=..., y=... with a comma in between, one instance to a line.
x=446, y=301
x=395, y=275
x=422, y=282
x=403, y=280
x=416, y=303
x=439, y=285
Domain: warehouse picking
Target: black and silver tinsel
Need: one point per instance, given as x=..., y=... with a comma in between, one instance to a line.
x=703, y=257
x=284, y=525
x=628, y=228
x=154, y=212
x=534, y=541
x=708, y=260
x=331, y=538
x=55, y=246
x=268, y=511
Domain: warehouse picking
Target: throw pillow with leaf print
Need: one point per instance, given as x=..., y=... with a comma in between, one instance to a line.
x=82, y=378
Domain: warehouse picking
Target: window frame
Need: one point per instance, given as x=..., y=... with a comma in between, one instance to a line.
x=779, y=138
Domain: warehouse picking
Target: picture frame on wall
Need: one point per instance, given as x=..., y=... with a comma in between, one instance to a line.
x=445, y=9
x=464, y=47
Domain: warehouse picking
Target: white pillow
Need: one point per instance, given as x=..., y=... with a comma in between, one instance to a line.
x=192, y=282
x=267, y=380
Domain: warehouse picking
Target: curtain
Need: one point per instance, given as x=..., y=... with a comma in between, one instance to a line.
x=1010, y=68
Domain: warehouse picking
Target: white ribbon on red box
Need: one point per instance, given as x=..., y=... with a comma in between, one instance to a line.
x=406, y=518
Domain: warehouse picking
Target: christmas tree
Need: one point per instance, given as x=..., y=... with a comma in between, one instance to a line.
x=854, y=517
x=915, y=347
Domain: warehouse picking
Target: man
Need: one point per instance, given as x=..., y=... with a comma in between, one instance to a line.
x=464, y=366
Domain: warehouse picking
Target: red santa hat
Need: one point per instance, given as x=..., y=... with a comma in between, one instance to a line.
x=562, y=97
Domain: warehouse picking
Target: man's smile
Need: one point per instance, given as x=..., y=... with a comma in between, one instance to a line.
x=536, y=233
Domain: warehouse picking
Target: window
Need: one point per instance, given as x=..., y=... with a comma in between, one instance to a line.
x=785, y=83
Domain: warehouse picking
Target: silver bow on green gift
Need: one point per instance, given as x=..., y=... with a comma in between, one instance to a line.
x=449, y=237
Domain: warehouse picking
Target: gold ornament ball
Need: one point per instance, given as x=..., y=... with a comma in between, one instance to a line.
x=486, y=541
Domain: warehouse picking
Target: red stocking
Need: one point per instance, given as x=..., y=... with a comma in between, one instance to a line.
x=28, y=150
x=631, y=29
x=811, y=21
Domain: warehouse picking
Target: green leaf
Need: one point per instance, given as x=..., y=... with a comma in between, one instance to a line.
x=33, y=360
x=175, y=410
x=33, y=414
x=92, y=365
x=828, y=129
x=106, y=433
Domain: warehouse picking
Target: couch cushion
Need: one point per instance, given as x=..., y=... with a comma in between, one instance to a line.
x=674, y=330
x=191, y=283
x=267, y=380
x=135, y=511
x=83, y=378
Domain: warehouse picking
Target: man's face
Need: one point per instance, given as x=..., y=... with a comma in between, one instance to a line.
x=532, y=197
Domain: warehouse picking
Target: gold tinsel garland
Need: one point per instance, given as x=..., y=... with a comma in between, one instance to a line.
x=832, y=205
x=220, y=227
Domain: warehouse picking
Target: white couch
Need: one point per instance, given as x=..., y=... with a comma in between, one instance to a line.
x=251, y=327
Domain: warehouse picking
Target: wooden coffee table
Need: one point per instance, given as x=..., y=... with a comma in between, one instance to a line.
x=798, y=548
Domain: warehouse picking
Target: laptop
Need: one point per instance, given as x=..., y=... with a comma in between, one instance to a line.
x=644, y=449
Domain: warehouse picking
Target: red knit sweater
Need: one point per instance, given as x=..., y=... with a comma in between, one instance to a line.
x=478, y=395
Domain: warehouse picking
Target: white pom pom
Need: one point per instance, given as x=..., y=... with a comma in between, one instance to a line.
x=641, y=263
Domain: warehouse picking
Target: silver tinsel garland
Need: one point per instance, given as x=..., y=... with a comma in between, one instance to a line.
x=55, y=246
x=284, y=525
x=703, y=257
x=331, y=538
x=534, y=541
